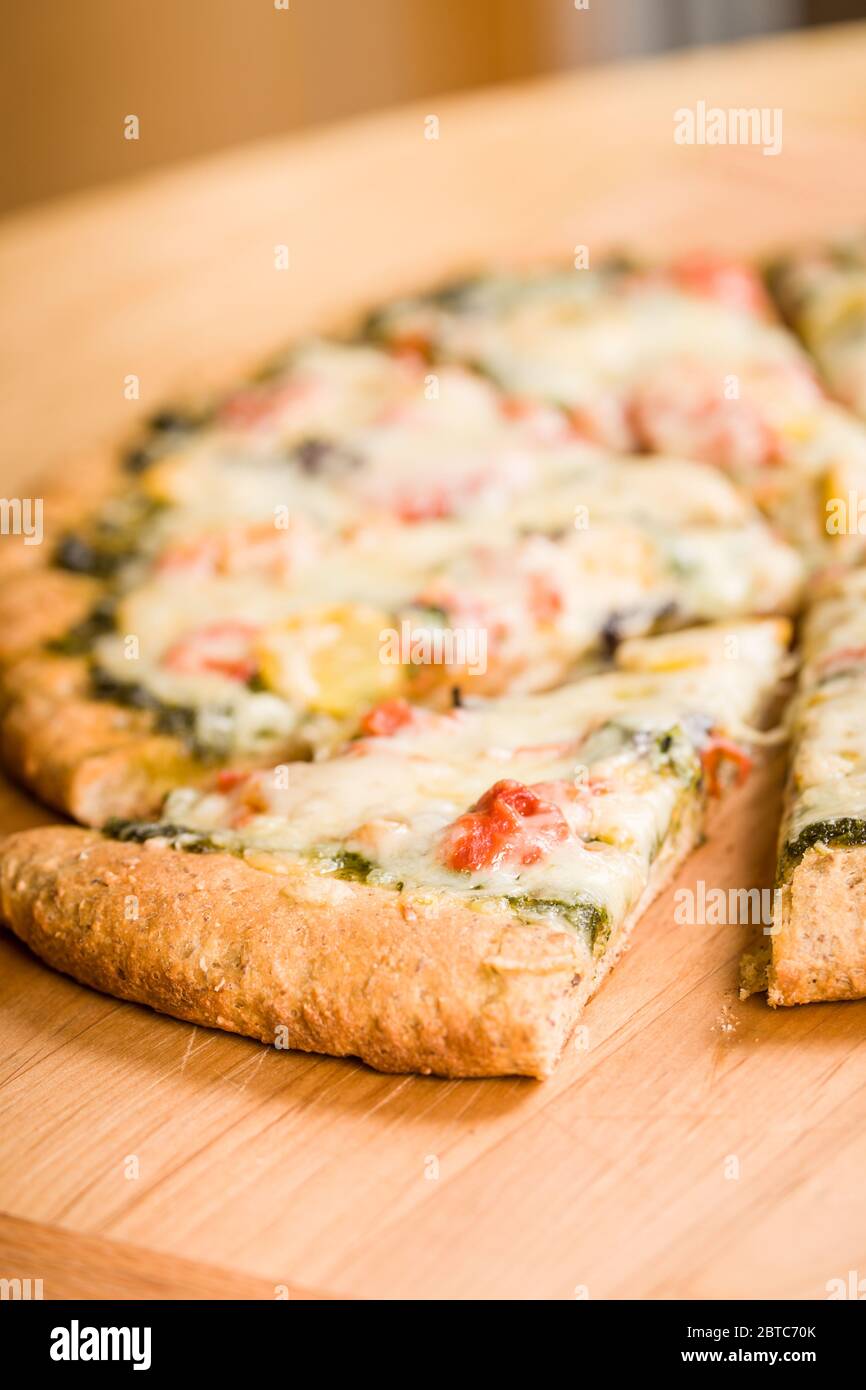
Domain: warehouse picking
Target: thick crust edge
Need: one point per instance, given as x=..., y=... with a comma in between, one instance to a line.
x=406, y=982
x=819, y=947
x=90, y=758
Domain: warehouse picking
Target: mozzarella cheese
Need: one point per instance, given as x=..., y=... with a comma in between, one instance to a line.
x=642, y=362
x=618, y=753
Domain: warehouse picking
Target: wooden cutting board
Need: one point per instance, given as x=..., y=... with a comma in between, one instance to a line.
x=693, y=1145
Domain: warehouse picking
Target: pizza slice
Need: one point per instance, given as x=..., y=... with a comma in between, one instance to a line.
x=681, y=359
x=443, y=895
x=245, y=645
x=817, y=948
x=821, y=292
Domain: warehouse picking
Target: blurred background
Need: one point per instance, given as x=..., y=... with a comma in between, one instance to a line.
x=202, y=75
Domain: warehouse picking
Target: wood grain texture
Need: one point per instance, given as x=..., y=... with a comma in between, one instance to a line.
x=74, y=1266
x=317, y=1172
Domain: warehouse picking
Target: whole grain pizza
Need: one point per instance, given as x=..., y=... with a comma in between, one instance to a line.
x=388, y=688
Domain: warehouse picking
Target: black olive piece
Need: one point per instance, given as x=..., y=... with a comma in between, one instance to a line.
x=76, y=554
x=321, y=456
x=136, y=460
x=164, y=420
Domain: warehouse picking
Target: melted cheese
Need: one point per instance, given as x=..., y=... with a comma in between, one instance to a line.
x=603, y=343
x=389, y=799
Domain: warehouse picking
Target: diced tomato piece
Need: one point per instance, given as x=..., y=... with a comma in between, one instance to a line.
x=430, y=505
x=260, y=548
x=229, y=778
x=412, y=345
x=223, y=649
x=545, y=599
x=385, y=719
x=517, y=407
x=605, y=421
x=260, y=405
x=683, y=411
x=728, y=282
x=511, y=823
x=717, y=751
x=193, y=555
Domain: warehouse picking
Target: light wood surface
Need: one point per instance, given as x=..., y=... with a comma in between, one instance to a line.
x=258, y=1168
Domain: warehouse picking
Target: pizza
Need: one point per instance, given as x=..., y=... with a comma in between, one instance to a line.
x=442, y=894
x=389, y=687
x=817, y=948
x=821, y=291
x=248, y=589
x=686, y=359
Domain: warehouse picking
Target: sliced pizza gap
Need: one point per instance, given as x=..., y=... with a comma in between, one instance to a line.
x=817, y=948
x=443, y=896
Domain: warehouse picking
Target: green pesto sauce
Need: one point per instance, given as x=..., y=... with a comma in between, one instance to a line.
x=846, y=830
x=138, y=831
x=177, y=720
x=582, y=914
x=108, y=542
x=79, y=639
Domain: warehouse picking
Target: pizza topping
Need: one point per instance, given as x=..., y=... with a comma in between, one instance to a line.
x=605, y=420
x=716, y=752
x=262, y=549
x=229, y=777
x=395, y=716
x=510, y=824
x=387, y=718
x=546, y=600
x=331, y=659
x=728, y=282
x=223, y=649
x=414, y=346
x=261, y=406
x=325, y=458
x=684, y=410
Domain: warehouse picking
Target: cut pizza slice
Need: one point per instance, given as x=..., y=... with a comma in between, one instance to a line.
x=817, y=947
x=821, y=292
x=443, y=895
x=683, y=359
x=240, y=647
x=347, y=432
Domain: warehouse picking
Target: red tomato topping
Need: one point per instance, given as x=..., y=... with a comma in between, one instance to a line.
x=510, y=824
x=411, y=345
x=683, y=411
x=229, y=778
x=606, y=421
x=260, y=405
x=517, y=407
x=384, y=720
x=728, y=282
x=258, y=548
x=717, y=751
x=545, y=600
x=430, y=505
x=223, y=649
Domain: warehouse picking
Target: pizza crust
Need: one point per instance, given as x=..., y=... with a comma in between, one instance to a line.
x=68, y=497
x=39, y=605
x=404, y=981
x=819, y=949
